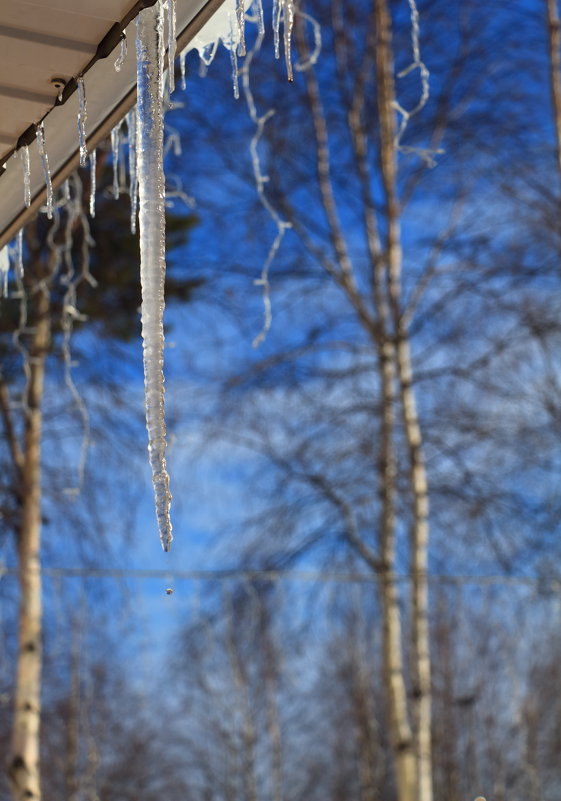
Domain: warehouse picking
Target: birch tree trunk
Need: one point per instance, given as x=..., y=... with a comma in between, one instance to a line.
x=419, y=544
x=23, y=769
x=248, y=733
x=364, y=713
x=554, y=41
x=412, y=757
x=392, y=644
x=412, y=430
x=73, y=723
x=271, y=677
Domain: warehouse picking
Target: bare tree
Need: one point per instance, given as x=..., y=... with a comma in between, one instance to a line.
x=371, y=295
x=554, y=39
x=405, y=299
x=37, y=324
x=24, y=761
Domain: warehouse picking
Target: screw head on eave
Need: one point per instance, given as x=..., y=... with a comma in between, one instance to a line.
x=58, y=83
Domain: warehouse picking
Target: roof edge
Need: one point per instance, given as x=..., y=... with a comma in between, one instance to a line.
x=107, y=45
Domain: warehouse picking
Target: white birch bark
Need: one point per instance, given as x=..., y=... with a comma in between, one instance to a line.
x=23, y=767
x=554, y=41
x=412, y=754
x=248, y=733
x=412, y=430
x=394, y=670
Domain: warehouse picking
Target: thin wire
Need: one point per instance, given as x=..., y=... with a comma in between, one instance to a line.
x=552, y=582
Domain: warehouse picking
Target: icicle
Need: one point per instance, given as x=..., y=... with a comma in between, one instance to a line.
x=277, y=7
x=120, y=60
x=131, y=125
x=93, y=181
x=288, y=20
x=26, y=175
x=66, y=191
x=172, y=44
x=234, y=60
x=82, y=117
x=46, y=170
x=208, y=52
x=150, y=140
x=182, y=58
x=122, y=166
x=19, y=255
x=240, y=16
x=260, y=17
x=4, y=270
x=115, y=151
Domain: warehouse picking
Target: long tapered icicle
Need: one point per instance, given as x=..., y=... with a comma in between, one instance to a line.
x=172, y=44
x=288, y=18
x=131, y=125
x=240, y=16
x=260, y=16
x=82, y=117
x=234, y=62
x=150, y=141
x=115, y=152
x=182, y=58
x=277, y=8
x=284, y=9
x=120, y=60
x=4, y=270
x=26, y=175
x=19, y=255
x=46, y=169
x=93, y=181
x=235, y=83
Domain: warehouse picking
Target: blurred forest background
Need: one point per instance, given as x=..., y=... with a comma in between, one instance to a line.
x=366, y=570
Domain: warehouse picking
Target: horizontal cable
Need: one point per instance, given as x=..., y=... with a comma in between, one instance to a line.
x=551, y=582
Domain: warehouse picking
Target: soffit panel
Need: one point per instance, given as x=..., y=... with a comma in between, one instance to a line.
x=86, y=27
x=113, y=10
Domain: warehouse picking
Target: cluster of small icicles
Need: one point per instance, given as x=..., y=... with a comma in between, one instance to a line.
x=145, y=140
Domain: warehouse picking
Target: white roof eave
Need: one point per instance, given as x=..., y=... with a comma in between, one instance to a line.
x=110, y=94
